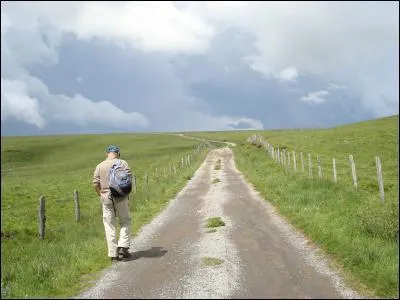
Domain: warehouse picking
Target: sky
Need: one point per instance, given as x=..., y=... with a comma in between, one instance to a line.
x=148, y=66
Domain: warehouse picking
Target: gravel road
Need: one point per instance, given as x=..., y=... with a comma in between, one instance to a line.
x=262, y=255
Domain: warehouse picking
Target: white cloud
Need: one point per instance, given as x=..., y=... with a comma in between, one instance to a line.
x=288, y=74
x=197, y=121
x=354, y=43
x=333, y=86
x=316, y=97
x=331, y=40
x=15, y=103
x=145, y=25
x=89, y=112
x=251, y=123
x=25, y=97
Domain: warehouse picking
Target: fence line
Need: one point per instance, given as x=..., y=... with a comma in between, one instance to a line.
x=282, y=157
x=188, y=159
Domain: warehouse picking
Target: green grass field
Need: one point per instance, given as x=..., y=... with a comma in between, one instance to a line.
x=352, y=226
x=74, y=252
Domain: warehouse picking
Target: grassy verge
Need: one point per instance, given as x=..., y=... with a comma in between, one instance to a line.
x=352, y=226
x=73, y=253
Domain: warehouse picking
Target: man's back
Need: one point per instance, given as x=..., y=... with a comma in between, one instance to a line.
x=113, y=209
x=102, y=173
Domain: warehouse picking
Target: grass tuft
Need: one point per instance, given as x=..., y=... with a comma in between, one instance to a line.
x=215, y=222
x=212, y=261
x=217, y=165
x=216, y=180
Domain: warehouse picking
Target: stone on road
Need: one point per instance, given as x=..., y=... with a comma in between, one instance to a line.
x=259, y=254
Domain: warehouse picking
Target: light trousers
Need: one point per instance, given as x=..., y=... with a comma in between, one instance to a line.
x=110, y=221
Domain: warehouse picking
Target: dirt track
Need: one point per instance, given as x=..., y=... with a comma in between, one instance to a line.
x=263, y=257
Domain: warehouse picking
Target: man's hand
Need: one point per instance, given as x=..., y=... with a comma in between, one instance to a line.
x=97, y=188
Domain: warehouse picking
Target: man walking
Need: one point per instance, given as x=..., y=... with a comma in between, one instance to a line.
x=114, y=206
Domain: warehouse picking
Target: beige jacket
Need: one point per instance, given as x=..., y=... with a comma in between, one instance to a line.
x=101, y=174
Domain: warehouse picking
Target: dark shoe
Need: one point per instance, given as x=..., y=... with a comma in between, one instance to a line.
x=123, y=252
x=114, y=259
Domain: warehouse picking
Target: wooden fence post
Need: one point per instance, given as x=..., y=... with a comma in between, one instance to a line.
x=288, y=160
x=380, y=178
x=182, y=163
x=156, y=174
x=134, y=184
x=309, y=166
x=294, y=161
x=170, y=168
x=174, y=169
x=334, y=170
x=279, y=155
x=353, y=170
x=146, y=181
x=284, y=158
x=77, y=207
x=165, y=173
x=42, y=217
x=302, y=162
x=319, y=167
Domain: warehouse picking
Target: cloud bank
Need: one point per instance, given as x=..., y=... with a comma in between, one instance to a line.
x=185, y=65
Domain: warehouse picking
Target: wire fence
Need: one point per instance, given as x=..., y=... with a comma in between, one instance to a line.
x=340, y=169
x=141, y=183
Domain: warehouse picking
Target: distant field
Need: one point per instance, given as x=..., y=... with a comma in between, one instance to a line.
x=55, y=166
x=363, y=140
x=352, y=226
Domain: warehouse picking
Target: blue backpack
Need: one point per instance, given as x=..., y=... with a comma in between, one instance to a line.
x=120, y=181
